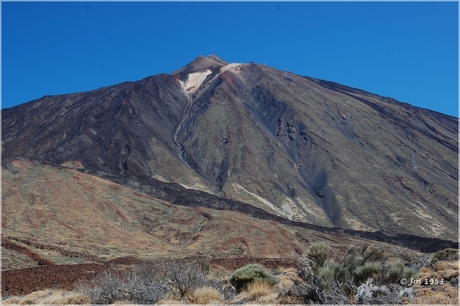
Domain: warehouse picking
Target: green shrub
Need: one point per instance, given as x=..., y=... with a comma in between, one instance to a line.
x=327, y=280
x=249, y=273
x=205, y=267
x=414, y=259
x=370, y=269
x=373, y=254
x=352, y=262
x=446, y=254
x=330, y=273
x=318, y=253
x=395, y=272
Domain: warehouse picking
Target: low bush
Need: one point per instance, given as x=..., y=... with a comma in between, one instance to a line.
x=183, y=278
x=370, y=269
x=318, y=253
x=336, y=280
x=205, y=267
x=368, y=293
x=414, y=259
x=446, y=254
x=395, y=272
x=330, y=273
x=150, y=283
x=140, y=286
x=250, y=273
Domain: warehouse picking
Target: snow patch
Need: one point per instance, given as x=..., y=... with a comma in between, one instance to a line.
x=194, y=81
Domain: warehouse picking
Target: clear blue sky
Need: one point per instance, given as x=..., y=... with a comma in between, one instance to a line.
x=407, y=51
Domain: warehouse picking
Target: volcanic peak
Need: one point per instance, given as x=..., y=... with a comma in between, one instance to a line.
x=194, y=74
x=201, y=63
x=245, y=132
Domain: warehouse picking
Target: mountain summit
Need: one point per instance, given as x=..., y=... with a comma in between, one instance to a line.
x=202, y=63
x=300, y=148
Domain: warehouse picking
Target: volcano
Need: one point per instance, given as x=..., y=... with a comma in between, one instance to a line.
x=250, y=138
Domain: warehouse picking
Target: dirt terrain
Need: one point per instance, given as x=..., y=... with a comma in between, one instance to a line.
x=24, y=281
x=85, y=223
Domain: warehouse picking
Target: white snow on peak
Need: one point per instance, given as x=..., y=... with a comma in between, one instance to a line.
x=194, y=81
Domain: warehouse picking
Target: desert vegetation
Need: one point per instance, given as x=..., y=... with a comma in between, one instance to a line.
x=362, y=274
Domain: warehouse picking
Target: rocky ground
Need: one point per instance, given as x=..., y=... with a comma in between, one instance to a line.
x=25, y=281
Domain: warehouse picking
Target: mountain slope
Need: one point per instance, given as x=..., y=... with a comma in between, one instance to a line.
x=305, y=149
x=81, y=218
x=58, y=216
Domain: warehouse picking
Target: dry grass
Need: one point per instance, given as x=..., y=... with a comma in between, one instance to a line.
x=259, y=291
x=169, y=301
x=205, y=295
x=442, y=269
x=50, y=297
x=286, y=278
x=445, y=293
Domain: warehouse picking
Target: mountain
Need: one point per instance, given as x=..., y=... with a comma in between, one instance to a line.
x=249, y=137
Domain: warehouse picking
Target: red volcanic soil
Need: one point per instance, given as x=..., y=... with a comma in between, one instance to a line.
x=25, y=281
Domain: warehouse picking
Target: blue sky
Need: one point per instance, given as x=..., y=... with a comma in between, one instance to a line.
x=407, y=51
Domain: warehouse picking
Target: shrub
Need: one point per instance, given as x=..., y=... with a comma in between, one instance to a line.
x=310, y=293
x=413, y=259
x=318, y=253
x=303, y=266
x=138, y=286
x=369, y=270
x=183, y=278
x=365, y=252
x=330, y=273
x=329, y=281
x=148, y=284
x=301, y=292
x=395, y=272
x=329, y=284
x=373, y=254
x=249, y=273
x=420, y=262
x=446, y=254
x=369, y=293
x=205, y=267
